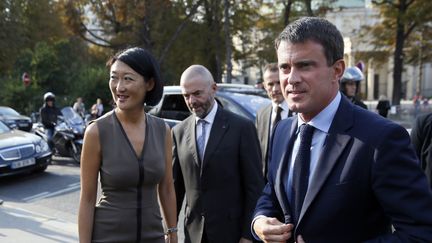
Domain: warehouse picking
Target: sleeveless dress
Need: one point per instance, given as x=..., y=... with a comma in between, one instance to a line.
x=128, y=209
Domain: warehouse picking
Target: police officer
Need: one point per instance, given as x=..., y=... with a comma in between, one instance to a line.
x=350, y=83
x=49, y=114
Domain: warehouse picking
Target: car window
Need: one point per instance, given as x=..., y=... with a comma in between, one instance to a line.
x=244, y=105
x=174, y=107
x=232, y=107
x=252, y=103
x=7, y=111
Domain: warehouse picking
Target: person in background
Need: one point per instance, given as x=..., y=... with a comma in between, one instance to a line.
x=49, y=114
x=337, y=172
x=97, y=109
x=216, y=163
x=383, y=106
x=268, y=116
x=131, y=152
x=79, y=107
x=259, y=84
x=421, y=138
x=417, y=99
x=350, y=83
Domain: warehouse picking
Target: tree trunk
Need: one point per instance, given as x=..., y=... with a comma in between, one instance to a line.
x=309, y=7
x=398, y=55
x=287, y=12
x=227, y=41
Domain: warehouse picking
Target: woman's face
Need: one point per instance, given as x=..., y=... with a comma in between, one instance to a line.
x=128, y=87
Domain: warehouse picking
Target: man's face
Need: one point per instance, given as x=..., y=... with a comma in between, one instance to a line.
x=308, y=83
x=272, y=86
x=350, y=88
x=198, y=94
x=50, y=102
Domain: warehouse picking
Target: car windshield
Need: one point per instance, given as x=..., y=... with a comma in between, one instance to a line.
x=3, y=128
x=7, y=111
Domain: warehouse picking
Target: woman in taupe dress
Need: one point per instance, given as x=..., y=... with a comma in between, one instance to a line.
x=131, y=153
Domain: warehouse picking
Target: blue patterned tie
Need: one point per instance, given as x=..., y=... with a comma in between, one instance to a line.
x=301, y=170
x=201, y=139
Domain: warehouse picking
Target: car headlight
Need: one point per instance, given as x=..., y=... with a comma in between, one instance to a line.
x=42, y=146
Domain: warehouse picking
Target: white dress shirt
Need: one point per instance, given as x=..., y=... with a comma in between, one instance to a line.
x=322, y=123
x=209, y=119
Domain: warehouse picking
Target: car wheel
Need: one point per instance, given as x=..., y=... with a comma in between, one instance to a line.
x=41, y=169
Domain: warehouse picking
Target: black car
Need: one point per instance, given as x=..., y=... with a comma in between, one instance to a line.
x=173, y=108
x=22, y=152
x=13, y=119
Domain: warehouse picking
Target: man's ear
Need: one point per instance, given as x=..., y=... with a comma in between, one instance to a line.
x=150, y=84
x=338, y=68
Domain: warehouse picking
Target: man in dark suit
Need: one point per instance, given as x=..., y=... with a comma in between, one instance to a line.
x=216, y=163
x=348, y=175
x=421, y=137
x=269, y=115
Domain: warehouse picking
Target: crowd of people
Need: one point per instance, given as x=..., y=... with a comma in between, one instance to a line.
x=315, y=167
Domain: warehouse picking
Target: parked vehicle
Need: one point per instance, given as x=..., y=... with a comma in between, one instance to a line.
x=173, y=108
x=13, y=119
x=68, y=134
x=242, y=88
x=22, y=152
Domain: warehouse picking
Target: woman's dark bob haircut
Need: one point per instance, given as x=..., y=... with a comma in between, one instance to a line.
x=142, y=62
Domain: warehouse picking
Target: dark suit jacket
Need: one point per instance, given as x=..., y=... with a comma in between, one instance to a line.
x=262, y=124
x=222, y=193
x=368, y=178
x=421, y=137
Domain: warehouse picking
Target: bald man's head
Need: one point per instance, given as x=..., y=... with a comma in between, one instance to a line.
x=198, y=89
x=194, y=71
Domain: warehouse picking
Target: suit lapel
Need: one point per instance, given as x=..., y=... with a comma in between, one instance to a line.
x=334, y=145
x=190, y=132
x=218, y=130
x=283, y=170
x=266, y=125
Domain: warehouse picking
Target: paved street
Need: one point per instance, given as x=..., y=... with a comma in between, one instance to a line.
x=41, y=207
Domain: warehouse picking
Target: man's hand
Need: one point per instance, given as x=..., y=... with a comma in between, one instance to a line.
x=272, y=230
x=300, y=239
x=244, y=240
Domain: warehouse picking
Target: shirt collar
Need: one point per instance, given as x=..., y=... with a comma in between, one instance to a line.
x=283, y=105
x=324, y=119
x=210, y=116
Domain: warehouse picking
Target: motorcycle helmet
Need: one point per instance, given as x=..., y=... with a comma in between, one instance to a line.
x=49, y=96
x=352, y=74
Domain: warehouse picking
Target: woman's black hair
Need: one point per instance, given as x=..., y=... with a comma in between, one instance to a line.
x=142, y=62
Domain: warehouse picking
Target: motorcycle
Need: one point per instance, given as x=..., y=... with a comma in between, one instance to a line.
x=68, y=134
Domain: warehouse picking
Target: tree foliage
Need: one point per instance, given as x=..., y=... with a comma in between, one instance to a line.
x=403, y=31
x=64, y=44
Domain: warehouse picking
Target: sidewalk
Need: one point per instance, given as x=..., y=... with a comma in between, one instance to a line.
x=22, y=226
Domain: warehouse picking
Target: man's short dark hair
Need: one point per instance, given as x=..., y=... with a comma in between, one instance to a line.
x=318, y=30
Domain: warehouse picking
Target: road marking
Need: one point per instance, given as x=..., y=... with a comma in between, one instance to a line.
x=43, y=195
x=75, y=184
x=35, y=196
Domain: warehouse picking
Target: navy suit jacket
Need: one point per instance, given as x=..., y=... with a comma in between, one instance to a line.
x=368, y=178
